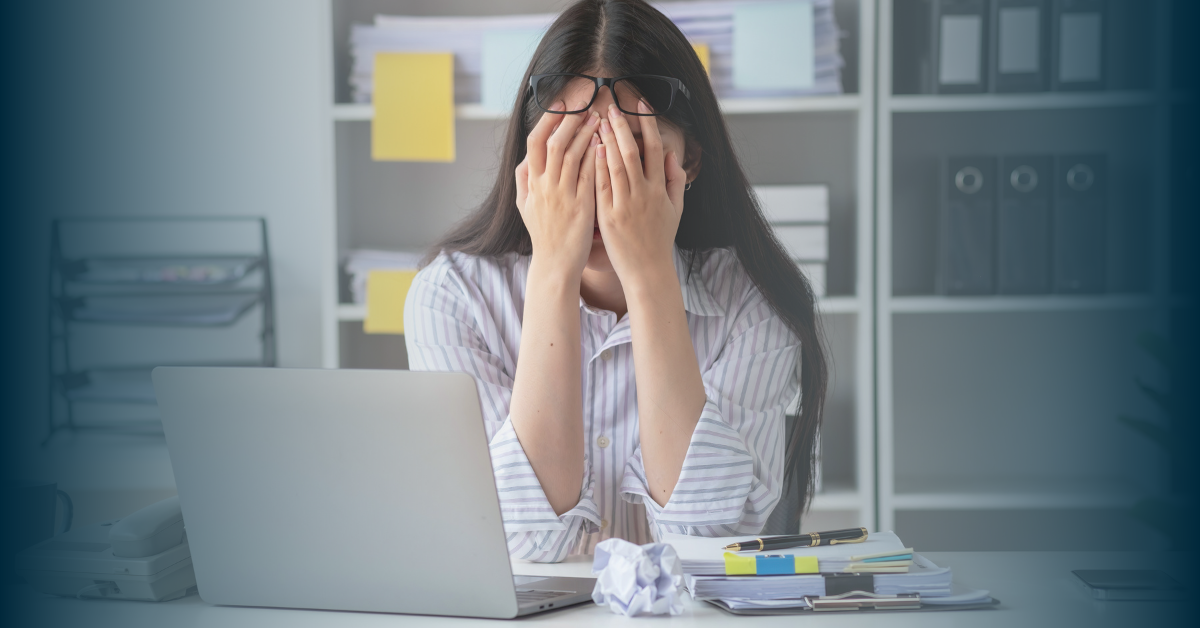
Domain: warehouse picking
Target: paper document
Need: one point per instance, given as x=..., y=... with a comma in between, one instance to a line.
x=414, y=107
x=704, y=555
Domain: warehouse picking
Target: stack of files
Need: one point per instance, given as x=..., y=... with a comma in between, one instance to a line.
x=209, y=309
x=813, y=48
x=360, y=262
x=704, y=574
x=740, y=69
x=462, y=36
x=799, y=215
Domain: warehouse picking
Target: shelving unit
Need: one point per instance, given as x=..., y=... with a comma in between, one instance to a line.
x=997, y=411
x=179, y=292
x=405, y=206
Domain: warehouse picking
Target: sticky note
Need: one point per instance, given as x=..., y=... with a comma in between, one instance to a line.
x=414, y=107
x=702, y=52
x=773, y=45
x=774, y=565
x=806, y=564
x=386, y=290
x=737, y=565
x=506, y=55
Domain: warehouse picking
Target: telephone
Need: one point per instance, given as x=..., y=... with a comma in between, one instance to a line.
x=144, y=556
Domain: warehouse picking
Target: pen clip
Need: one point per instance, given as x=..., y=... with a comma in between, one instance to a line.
x=858, y=540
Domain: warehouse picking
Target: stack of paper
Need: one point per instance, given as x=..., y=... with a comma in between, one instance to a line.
x=360, y=262
x=799, y=215
x=764, y=49
x=704, y=569
x=755, y=49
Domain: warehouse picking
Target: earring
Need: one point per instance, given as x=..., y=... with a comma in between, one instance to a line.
x=687, y=186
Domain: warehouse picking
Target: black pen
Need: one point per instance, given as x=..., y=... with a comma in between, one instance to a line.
x=808, y=539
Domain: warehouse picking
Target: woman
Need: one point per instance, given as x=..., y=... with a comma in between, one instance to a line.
x=658, y=324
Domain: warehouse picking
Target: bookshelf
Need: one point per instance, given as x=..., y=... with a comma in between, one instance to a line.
x=999, y=411
x=395, y=205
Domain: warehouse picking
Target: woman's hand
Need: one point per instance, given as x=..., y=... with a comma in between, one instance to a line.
x=638, y=206
x=556, y=190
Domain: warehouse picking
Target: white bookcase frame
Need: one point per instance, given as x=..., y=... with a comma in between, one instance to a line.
x=853, y=504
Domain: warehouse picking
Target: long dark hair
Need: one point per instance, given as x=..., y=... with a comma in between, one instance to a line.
x=625, y=37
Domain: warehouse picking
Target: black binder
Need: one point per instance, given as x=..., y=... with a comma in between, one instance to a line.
x=959, y=46
x=1020, y=43
x=967, y=226
x=1023, y=225
x=1080, y=223
x=1077, y=45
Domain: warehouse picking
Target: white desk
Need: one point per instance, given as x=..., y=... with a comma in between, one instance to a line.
x=1036, y=589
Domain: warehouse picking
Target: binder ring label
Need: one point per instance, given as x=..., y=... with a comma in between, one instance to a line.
x=1080, y=177
x=969, y=180
x=1023, y=179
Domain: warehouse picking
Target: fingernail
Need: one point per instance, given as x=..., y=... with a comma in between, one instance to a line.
x=595, y=140
x=613, y=111
x=559, y=106
x=643, y=107
x=593, y=118
x=604, y=127
x=600, y=153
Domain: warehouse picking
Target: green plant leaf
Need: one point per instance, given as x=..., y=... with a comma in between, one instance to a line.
x=1160, y=398
x=1158, y=348
x=1153, y=431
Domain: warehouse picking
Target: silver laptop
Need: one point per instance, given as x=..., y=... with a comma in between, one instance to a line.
x=343, y=490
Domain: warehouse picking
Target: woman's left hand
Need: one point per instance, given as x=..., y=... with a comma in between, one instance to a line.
x=638, y=208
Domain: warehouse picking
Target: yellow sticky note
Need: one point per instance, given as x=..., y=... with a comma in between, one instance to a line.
x=386, y=290
x=702, y=52
x=807, y=564
x=737, y=565
x=414, y=107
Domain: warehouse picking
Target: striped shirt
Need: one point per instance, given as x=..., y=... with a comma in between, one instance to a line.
x=463, y=313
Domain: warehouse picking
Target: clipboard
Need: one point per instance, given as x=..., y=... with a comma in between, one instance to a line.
x=859, y=601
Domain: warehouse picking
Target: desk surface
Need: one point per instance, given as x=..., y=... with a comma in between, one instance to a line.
x=1036, y=589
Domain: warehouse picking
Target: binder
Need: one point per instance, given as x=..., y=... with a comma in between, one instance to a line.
x=1080, y=223
x=1077, y=46
x=1020, y=43
x=1023, y=225
x=967, y=226
x=959, y=46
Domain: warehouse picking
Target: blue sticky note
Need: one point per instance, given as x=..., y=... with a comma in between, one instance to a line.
x=506, y=55
x=775, y=565
x=773, y=45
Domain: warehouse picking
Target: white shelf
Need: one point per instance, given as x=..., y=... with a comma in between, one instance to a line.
x=1032, y=494
x=1045, y=303
x=343, y=113
x=1018, y=102
x=350, y=312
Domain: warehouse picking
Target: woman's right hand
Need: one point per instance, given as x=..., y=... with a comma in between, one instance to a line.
x=556, y=189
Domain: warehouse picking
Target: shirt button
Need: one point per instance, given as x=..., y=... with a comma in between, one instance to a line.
x=606, y=355
x=603, y=442
x=604, y=524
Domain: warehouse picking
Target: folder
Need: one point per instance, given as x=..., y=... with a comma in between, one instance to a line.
x=967, y=226
x=1078, y=45
x=1023, y=225
x=793, y=203
x=959, y=46
x=1080, y=223
x=1020, y=46
x=804, y=242
x=414, y=107
x=386, y=291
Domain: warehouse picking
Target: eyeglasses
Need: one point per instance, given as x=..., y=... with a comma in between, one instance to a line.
x=658, y=91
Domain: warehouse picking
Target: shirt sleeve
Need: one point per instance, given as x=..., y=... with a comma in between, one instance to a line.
x=444, y=333
x=732, y=475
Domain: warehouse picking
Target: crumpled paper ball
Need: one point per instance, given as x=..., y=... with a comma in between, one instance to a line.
x=636, y=580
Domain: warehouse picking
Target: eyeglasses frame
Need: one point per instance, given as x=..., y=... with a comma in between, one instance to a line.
x=677, y=86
